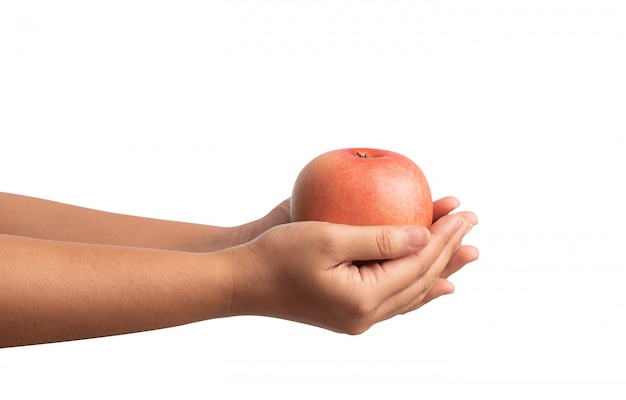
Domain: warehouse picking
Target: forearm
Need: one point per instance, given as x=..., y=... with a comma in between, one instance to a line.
x=56, y=291
x=38, y=218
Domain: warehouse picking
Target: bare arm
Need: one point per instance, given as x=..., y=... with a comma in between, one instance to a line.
x=38, y=218
x=55, y=291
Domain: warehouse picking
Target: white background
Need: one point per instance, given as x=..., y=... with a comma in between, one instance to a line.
x=205, y=111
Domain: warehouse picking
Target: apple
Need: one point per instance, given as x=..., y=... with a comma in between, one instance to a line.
x=362, y=186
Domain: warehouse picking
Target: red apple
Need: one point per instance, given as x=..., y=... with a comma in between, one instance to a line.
x=361, y=186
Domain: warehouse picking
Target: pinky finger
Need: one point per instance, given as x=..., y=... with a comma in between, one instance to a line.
x=441, y=287
x=461, y=257
x=406, y=302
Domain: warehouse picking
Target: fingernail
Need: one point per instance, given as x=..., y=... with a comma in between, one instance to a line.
x=418, y=236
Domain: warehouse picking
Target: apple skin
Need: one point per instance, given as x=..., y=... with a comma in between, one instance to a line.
x=362, y=186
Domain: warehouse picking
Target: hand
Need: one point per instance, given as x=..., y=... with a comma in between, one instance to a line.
x=278, y=216
x=463, y=255
x=305, y=271
x=244, y=233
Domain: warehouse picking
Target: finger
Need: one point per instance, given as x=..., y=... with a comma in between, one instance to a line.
x=362, y=243
x=444, y=206
x=441, y=287
x=411, y=278
x=461, y=257
x=446, y=236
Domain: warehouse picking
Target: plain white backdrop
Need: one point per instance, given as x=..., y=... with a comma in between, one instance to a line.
x=205, y=111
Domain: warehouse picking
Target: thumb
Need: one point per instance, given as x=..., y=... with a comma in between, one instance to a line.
x=364, y=243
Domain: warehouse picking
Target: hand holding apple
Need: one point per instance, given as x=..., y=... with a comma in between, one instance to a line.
x=304, y=271
x=311, y=272
x=362, y=186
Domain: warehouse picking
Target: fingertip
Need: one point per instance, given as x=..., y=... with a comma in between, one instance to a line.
x=467, y=216
x=447, y=202
x=475, y=251
x=444, y=206
x=449, y=289
x=451, y=200
x=442, y=287
x=473, y=218
x=469, y=253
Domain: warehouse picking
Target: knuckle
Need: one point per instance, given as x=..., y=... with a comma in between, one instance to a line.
x=358, y=317
x=363, y=309
x=328, y=239
x=385, y=243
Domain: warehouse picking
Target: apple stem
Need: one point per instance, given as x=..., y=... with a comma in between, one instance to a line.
x=364, y=155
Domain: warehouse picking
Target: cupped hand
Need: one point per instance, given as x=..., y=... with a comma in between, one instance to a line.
x=464, y=254
x=279, y=215
x=306, y=271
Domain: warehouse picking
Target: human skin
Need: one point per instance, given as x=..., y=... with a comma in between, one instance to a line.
x=69, y=273
x=45, y=219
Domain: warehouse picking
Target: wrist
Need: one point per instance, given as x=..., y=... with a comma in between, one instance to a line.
x=250, y=280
